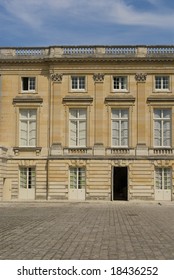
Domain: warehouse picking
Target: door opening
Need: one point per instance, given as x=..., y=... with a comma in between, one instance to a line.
x=120, y=183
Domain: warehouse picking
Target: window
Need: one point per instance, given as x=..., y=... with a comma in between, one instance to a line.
x=78, y=83
x=28, y=84
x=163, y=178
x=27, y=177
x=27, y=127
x=162, y=127
x=77, y=178
x=77, y=127
x=162, y=83
x=120, y=83
x=120, y=127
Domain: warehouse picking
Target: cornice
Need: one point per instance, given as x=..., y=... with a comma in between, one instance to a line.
x=27, y=99
x=120, y=98
x=104, y=58
x=77, y=99
x=160, y=98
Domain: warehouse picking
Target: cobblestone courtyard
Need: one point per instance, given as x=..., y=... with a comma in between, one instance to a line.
x=94, y=230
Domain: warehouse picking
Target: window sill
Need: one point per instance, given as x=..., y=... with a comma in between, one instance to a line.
x=18, y=150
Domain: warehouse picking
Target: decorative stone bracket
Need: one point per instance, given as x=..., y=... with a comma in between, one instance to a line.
x=99, y=77
x=140, y=77
x=57, y=77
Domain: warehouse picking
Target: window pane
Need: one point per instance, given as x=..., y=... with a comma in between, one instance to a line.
x=73, y=133
x=157, y=113
x=124, y=133
x=73, y=113
x=31, y=83
x=115, y=113
x=81, y=82
x=166, y=113
x=82, y=114
x=158, y=178
x=23, y=114
x=166, y=133
x=74, y=82
x=158, y=82
x=115, y=133
x=157, y=133
x=73, y=178
x=82, y=133
x=32, y=133
x=23, y=178
x=81, y=178
x=23, y=133
x=165, y=82
x=167, y=178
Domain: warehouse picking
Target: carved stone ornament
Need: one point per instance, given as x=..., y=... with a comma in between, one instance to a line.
x=99, y=77
x=140, y=77
x=56, y=77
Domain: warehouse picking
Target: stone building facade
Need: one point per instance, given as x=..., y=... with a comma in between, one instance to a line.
x=87, y=123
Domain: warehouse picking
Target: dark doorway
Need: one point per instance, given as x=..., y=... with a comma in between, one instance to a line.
x=120, y=183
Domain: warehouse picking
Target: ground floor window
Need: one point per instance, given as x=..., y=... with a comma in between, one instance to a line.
x=77, y=178
x=77, y=183
x=163, y=183
x=27, y=177
x=163, y=178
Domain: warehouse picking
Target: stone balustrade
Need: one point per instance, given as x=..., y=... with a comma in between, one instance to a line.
x=96, y=51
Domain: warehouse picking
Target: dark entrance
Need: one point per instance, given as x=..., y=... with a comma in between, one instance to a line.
x=120, y=183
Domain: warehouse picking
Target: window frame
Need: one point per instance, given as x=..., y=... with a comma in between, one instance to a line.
x=78, y=120
x=163, y=185
x=28, y=120
x=162, y=88
x=78, y=89
x=120, y=120
x=162, y=119
x=120, y=89
x=28, y=170
x=78, y=182
x=29, y=80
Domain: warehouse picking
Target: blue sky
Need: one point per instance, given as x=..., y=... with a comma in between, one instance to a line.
x=86, y=22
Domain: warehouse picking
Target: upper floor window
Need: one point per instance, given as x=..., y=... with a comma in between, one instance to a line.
x=120, y=127
x=28, y=84
x=27, y=127
x=162, y=127
x=77, y=127
x=162, y=82
x=78, y=83
x=120, y=83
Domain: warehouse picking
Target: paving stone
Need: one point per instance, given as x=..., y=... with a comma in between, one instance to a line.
x=95, y=230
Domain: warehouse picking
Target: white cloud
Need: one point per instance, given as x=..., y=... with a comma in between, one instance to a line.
x=129, y=15
x=36, y=13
